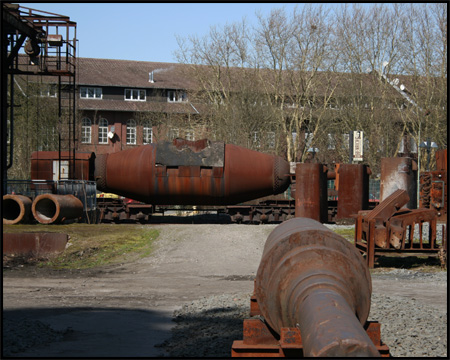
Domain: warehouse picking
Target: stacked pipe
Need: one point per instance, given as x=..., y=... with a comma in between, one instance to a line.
x=313, y=279
x=46, y=209
x=54, y=209
x=16, y=209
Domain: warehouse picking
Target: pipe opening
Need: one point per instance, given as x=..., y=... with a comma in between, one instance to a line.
x=45, y=209
x=11, y=209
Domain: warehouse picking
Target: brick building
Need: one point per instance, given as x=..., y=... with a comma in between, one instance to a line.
x=118, y=100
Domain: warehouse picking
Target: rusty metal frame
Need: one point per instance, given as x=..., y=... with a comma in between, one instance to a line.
x=389, y=229
x=259, y=340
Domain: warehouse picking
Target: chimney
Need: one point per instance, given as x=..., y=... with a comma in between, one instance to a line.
x=150, y=77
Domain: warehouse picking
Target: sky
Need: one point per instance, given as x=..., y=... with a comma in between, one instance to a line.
x=147, y=31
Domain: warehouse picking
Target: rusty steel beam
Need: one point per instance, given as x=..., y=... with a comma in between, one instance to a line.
x=311, y=191
x=34, y=244
x=54, y=209
x=191, y=173
x=16, y=209
x=399, y=173
x=312, y=279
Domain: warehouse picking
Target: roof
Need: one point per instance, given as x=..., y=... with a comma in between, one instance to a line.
x=136, y=74
x=107, y=72
x=122, y=105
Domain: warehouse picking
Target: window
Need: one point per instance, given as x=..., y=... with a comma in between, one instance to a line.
x=331, y=142
x=271, y=140
x=147, y=132
x=91, y=92
x=103, y=131
x=174, y=133
x=134, y=95
x=255, y=139
x=86, y=131
x=176, y=96
x=308, y=139
x=131, y=132
x=48, y=91
x=189, y=135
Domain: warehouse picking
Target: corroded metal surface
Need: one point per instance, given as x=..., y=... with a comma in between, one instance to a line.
x=399, y=173
x=34, y=244
x=353, y=189
x=311, y=191
x=433, y=187
x=313, y=279
x=16, y=209
x=155, y=175
x=53, y=209
x=182, y=152
x=391, y=228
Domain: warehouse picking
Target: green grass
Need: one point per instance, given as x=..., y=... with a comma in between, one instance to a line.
x=346, y=233
x=95, y=245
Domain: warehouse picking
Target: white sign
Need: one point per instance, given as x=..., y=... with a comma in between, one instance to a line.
x=358, y=146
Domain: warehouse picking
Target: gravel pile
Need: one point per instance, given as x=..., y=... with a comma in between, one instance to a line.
x=207, y=327
x=21, y=335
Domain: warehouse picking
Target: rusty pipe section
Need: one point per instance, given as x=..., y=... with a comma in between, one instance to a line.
x=16, y=209
x=311, y=191
x=399, y=173
x=191, y=173
x=313, y=279
x=53, y=209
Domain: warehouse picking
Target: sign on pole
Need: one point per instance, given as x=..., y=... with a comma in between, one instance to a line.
x=358, y=146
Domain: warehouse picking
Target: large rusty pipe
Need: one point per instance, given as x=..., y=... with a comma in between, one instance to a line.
x=191, y=173
x=16, y=209
x=353, y=189
x=313, y=279
x=53, y=209
x=311, y=191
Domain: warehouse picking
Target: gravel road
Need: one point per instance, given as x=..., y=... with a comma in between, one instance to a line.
x=189, y=299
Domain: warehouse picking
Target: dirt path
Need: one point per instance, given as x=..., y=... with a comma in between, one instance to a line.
x=125, y=310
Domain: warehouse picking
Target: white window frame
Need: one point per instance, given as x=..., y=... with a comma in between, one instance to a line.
x=176, y=96
x=131, y=132
x=308, y=139
x=147, y=132
x=86, y=131
x=189, y=135
x=103, y=131
x=271, y=139
x=174, y=133
x=256, y=139
x=89, y=92
x=49, y=90
x=135, y=95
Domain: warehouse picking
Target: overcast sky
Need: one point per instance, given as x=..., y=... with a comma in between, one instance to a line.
x=147, y=31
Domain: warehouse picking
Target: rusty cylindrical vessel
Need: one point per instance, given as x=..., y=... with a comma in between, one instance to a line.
x=311, y=191
x=53, y=209
x=399, y=173
x=191, y=173
x=353, y=189
x=313, y=279
x=16, y=209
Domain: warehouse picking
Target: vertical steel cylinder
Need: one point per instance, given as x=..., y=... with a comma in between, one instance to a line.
x=399, y=173
x=53, y=209
x=353, y=189
x=311, y=191
x=16, y=209
x=313, y=279
x=191, y=173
